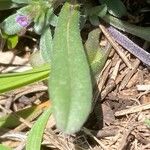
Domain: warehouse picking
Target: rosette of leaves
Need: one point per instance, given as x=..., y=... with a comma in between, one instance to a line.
x=35, y=13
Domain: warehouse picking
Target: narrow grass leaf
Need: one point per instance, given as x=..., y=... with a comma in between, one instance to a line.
x=36, y=133
x=12, y=81
x=11, y=121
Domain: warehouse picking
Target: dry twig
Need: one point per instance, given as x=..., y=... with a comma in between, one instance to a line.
x=133, y=109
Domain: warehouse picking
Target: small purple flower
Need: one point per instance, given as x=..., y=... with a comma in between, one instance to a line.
x=23, y=21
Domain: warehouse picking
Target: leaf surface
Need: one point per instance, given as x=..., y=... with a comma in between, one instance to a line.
x=70, y=81
x=15, y=80
x=115, y=7
x=46, y=45
x=36, y=133
x=2, y=147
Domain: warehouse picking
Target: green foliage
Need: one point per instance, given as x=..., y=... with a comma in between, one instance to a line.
x=53, y=19
x=115, y=7
x=11, y=121
x=10, y=25
x=43, y=20
x=2, y=147
x=147, y=122
x=36, y=133
x=99, y=11
x=142, y=32
x=96, y=55
x=39, y=23
x=15, y=80
x=95, y=12
x=11, y=40
x=39, y=12
x=70, y=81
x=46, y=45
x=61, y=47
x=21, y=1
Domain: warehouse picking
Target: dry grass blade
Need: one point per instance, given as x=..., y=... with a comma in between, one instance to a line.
x=133, y=109
x=116, y=46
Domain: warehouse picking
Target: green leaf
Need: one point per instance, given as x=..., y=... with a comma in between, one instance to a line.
x=115, y=7
x=95, y=12
x=15, y=80
x=11, y=121
x=147, y=122
x=36, y=59
x=70, y=85
x=98, y=10
x=46, y=45
x=12, y=41
x=40, y=23
x=36, y=133
x=21, y=1
x=96, y=55
x=94, y=20
x=7, y=4
x=142, y=32
x=10, y=26
x=2, y=147
x=53, y=20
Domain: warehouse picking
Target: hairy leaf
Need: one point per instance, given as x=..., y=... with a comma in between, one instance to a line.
x=40, y=23
x=96, y=55
x=46, y=45
x=53, y=20
x=18, y=21
x=70, y=81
